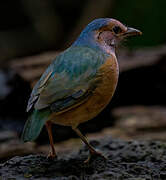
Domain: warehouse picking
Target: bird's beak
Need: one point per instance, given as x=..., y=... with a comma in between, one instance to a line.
x=132, y=32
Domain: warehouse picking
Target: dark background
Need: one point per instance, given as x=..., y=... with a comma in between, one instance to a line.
x=33, y=26
x=32, y=33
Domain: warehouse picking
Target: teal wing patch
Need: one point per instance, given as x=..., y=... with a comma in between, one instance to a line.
x=68, y=80
x=34, y=125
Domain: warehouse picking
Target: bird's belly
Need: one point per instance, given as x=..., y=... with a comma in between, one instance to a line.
x=96, y=103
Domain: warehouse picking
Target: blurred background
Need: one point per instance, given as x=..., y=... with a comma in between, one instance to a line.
x=32, y=33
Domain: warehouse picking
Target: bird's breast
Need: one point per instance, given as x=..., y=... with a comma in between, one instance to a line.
x=108, y=75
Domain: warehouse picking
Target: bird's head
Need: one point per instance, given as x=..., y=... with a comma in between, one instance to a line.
x=105, y=33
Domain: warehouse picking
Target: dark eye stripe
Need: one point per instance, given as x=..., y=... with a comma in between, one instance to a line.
x=117, y=29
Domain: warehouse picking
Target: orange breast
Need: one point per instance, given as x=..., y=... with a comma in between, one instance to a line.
x=95, y=104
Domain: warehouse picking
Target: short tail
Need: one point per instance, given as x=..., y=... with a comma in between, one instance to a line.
x=34, y=125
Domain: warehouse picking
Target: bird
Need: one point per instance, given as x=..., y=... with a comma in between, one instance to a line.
x=79, y=83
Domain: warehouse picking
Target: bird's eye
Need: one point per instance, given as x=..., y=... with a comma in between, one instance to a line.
x=117, y=29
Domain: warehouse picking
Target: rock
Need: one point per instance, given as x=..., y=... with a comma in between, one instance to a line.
x=140, y=117
x=126, y=160
x=140, y=122
x=14, y=148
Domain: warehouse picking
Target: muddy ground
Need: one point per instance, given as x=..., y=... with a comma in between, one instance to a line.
x=134, y=160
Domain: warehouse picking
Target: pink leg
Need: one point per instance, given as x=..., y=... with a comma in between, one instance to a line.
x=52, y=153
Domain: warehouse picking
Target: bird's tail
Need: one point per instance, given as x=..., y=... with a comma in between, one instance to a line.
x=34, y=124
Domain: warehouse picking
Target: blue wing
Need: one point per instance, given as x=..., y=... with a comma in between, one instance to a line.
x=68, y=81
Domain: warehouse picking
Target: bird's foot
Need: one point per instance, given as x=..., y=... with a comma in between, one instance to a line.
x=51, y=156
x=93, y=155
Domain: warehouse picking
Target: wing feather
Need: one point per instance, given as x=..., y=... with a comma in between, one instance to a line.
x=68, y=81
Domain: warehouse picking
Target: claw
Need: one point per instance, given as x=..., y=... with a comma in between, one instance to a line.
x=51, y=156
x=94, y=154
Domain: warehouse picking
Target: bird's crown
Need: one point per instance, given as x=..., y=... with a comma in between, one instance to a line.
x=104, y=32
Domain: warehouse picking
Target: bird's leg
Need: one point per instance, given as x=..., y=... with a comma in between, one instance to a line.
x=93, y=152
x=52, y=153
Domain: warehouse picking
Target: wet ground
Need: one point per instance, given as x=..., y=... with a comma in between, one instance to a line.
x=134, y=160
